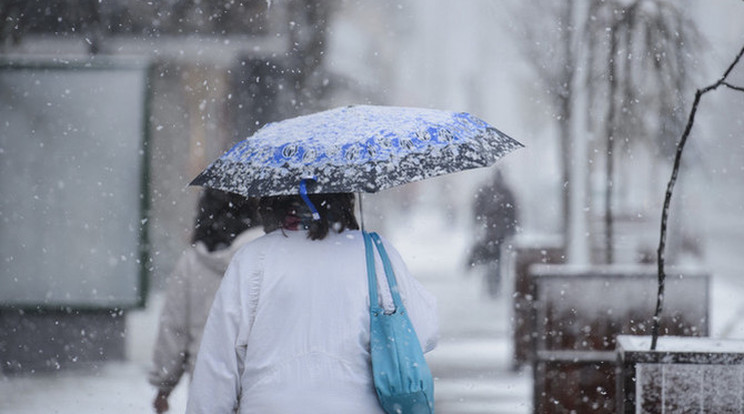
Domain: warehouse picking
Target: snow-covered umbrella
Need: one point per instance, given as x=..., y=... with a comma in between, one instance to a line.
x=355, y=149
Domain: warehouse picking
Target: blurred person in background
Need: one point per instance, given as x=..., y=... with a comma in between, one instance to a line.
x=495, y=221
x=224, y=222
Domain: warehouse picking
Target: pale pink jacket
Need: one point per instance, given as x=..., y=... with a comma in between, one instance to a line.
x=188, y=298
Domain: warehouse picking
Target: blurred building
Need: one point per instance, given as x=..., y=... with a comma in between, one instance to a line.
x=212, y=73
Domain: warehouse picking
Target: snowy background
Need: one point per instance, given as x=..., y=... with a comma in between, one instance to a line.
x=430, y=53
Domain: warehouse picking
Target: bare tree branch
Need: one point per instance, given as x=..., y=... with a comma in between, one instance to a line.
x=730, y=86
x=670, y=188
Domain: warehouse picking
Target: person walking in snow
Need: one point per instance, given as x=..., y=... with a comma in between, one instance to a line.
x=496, y=221
x=289, y=328
x=221, y=227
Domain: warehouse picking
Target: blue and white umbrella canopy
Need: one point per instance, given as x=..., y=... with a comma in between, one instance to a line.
x=356, y=149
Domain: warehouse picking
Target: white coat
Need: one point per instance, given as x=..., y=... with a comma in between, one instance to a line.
x=188, y=298
x=289, y=328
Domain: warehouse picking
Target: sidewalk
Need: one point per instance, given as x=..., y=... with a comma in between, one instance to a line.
x=472, y=363
x=117, y=387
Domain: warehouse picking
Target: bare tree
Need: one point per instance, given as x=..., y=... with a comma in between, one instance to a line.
x=549, y=44
x=723, y=81
x=638, y=53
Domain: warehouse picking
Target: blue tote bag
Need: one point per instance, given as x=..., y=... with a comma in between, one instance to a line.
x=402, y=378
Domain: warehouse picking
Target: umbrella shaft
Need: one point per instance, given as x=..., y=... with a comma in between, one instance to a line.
x=361, y=212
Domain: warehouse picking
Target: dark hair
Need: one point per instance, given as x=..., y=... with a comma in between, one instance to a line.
x=335, y=209
x=222, y=216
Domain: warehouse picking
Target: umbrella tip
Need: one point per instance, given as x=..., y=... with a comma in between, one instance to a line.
x=199, y=180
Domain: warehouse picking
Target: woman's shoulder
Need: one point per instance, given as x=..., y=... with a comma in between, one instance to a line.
x=262, y=240
x=298, y=239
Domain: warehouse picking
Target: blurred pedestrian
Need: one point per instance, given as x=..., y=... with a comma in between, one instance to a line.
x=221, y=227
x=289, y=328
x=495, y=221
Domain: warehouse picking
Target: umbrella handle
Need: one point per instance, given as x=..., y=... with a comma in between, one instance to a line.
x=306, y=199
x=361, y=211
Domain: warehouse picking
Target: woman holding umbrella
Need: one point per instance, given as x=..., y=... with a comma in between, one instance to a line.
x=289, y=327
x=289, y=330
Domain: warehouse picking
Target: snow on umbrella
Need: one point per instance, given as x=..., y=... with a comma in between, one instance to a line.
x=356, y=149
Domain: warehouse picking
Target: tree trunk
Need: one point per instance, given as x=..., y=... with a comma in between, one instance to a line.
x=566, y=138
x=610, y=133
x=574, y=131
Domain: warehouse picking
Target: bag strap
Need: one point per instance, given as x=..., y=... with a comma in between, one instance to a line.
x=389, y=273
x=371, y=239
x=374, y=305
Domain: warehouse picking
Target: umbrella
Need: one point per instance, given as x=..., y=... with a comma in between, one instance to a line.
x=355, y=149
